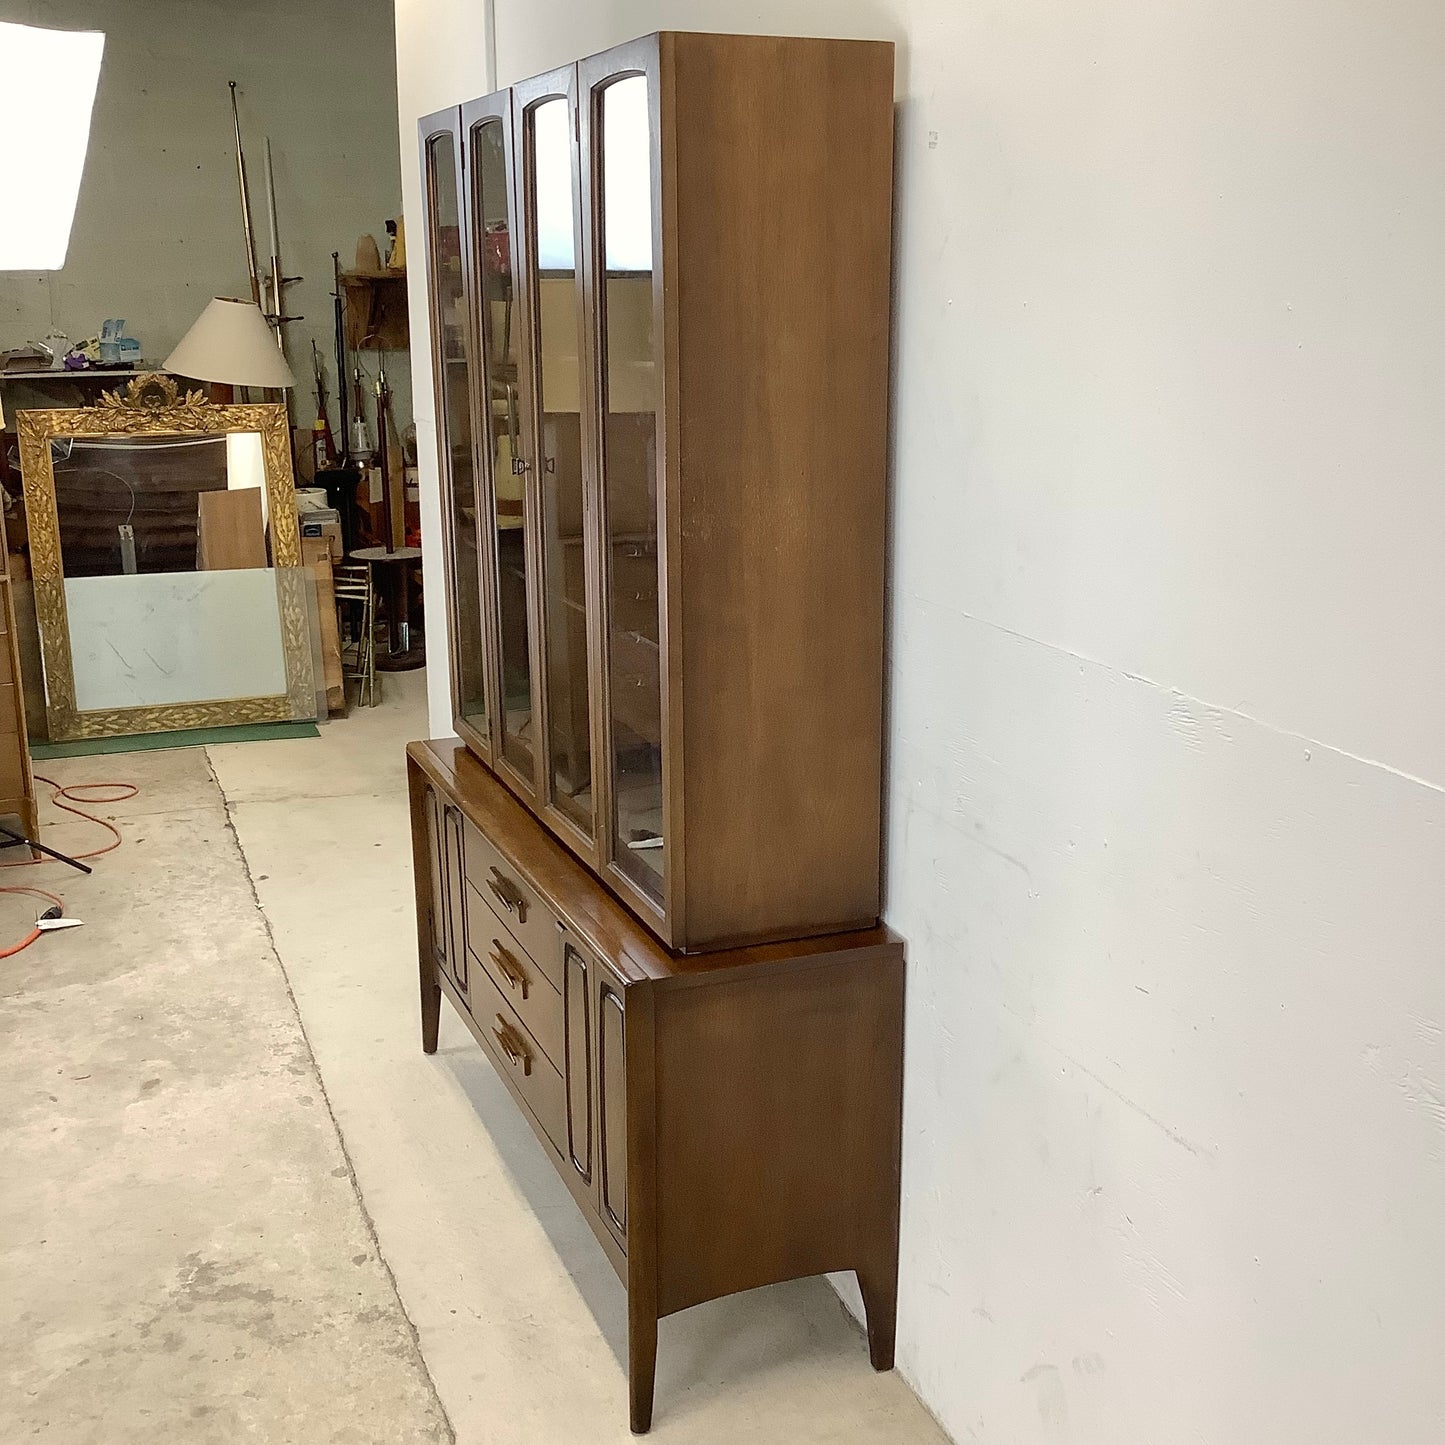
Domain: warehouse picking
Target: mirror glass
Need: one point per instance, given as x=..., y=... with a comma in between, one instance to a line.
x=629, y=478
x=169, y=590
x=560, y=383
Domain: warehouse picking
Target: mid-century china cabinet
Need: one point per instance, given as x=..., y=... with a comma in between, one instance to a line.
x=648, y=874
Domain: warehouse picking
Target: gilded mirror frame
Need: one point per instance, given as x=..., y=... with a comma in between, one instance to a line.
x=152, y=405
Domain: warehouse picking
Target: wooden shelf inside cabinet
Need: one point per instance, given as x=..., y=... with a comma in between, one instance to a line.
x=376, y=310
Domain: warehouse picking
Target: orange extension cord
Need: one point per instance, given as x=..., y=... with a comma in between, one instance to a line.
x=65, y=798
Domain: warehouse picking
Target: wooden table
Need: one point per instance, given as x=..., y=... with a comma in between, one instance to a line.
x=394, y=565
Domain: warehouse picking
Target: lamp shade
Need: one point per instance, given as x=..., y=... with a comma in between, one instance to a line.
x=231, y=342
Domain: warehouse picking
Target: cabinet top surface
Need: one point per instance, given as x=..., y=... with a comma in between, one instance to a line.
x=655, y=40
x=583, y=904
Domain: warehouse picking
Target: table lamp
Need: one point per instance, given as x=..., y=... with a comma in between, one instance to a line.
x=233, y=344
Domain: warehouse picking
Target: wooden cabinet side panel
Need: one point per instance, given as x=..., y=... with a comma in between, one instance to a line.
x=782, y=207
x=778, y=1126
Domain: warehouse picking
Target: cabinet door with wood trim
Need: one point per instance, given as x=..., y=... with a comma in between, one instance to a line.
x=619, y=109
x=596, y=1072
x=580, y=1011
x=436, y=874
x=555, y=392
x=491, y=205
x=465, y=543
x=454, y=873
x=612, y=1110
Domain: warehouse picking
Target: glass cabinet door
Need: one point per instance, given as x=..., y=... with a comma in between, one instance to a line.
x=627, y=346
x=500, y=330
x=557, y=390
x=452, y=363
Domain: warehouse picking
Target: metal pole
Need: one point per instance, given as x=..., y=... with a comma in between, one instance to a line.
x=276, y=277
x=245, y=203
x=383, y=447
x=341, y=387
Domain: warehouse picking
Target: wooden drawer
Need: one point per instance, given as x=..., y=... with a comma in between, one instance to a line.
x=519, y=1059
x=514, y=903
x=516, y=975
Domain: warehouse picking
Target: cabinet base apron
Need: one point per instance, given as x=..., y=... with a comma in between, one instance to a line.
x=723, y=1121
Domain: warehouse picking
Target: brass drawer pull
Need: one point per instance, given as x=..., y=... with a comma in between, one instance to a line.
x=508, y=894
x=512, y=1046
x=509, y=968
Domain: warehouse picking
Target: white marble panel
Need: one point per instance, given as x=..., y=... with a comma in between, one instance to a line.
x=171, y=637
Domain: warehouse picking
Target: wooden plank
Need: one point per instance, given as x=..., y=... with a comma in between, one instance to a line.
x=232, y=535
x=17, y=783
x=316, y=555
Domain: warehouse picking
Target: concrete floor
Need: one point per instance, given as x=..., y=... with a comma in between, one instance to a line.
x=183, y=1256
x=519, y=1317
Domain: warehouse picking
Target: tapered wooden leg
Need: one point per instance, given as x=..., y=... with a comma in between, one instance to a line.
x=431, y=1011
x=879, y=1288
x=424, y=843
x=641, y=1365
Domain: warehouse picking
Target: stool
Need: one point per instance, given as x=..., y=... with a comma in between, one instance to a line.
x=352, y=582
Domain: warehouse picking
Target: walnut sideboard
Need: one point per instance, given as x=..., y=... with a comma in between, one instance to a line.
x=723, y=1121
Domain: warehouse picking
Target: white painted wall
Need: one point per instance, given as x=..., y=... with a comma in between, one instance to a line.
x=1166, y=793
x=158, y=226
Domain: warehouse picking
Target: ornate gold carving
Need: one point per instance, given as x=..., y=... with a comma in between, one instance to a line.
x=154, y=391
x=177, y=717
x=152, y=405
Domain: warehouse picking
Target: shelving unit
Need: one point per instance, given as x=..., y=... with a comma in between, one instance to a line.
x=376, y=310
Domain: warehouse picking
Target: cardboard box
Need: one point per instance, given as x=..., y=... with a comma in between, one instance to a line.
x=325, y=522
